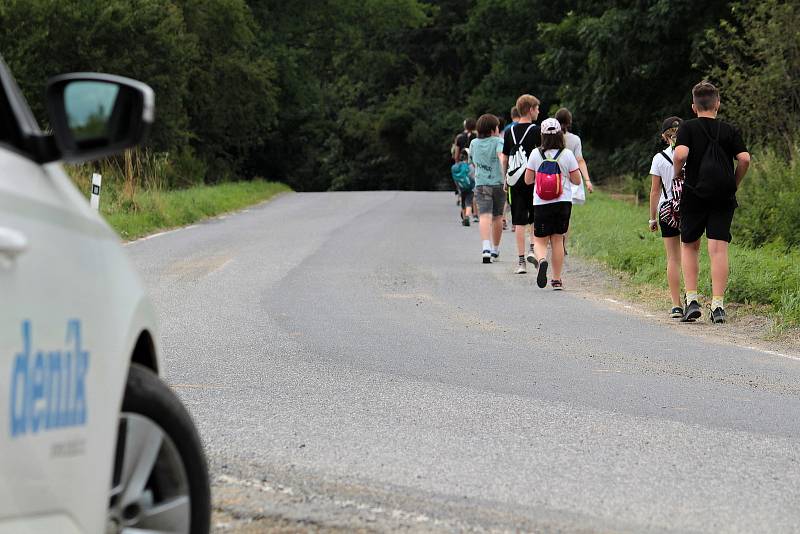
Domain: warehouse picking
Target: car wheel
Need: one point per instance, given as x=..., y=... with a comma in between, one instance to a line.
x=160, y=479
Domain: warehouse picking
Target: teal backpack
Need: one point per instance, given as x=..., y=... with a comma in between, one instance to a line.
x=461, y=177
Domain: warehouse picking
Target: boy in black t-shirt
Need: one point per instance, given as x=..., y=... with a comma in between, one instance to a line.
x=709, y=195
x=519, y=141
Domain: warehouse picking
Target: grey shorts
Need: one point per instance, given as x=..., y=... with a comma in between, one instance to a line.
x=490, y=199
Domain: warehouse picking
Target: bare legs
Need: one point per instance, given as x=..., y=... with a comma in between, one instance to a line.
x=520, y=235
x=718, y=252
x=690, y=261
x=673, y=248
x=556, y=242
x=493, y=226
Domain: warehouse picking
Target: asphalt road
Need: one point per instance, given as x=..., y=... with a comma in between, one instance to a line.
x=351, y=364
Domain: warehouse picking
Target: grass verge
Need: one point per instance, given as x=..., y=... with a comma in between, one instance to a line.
x=615, y=234
x=161, y=210
x=137, y=212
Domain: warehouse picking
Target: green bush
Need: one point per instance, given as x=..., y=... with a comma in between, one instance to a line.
x=769, y=201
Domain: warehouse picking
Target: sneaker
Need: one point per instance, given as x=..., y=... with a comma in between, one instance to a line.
x=521, y=268
x=475, y=218
x=505, y=225
x=531, y=258
x=676, y=312
x=495, y=255
x=541, y=278
x=692, y=312
x=557, y=285
x=487, y=256
x=513, y=228
x=718, y=316
x=465, y=222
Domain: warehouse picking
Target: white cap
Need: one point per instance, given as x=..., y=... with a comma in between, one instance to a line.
x=550, y=126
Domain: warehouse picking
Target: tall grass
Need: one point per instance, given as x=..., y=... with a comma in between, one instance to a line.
x=135, y=198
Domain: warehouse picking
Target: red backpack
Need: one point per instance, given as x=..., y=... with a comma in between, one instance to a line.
x=548, y=177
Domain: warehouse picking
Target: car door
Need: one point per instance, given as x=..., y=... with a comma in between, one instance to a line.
x=61, y=361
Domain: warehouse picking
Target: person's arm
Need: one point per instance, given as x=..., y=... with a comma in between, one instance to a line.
x=679, y=159
x=742, y=164
x=530, y=175
x=655, y=196
x=585, y=172
x=503, y=163
x=575, y=176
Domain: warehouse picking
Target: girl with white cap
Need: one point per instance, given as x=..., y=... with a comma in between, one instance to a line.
x=553, y=168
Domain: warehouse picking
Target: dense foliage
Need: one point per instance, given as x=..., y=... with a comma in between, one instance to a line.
x=368, y=94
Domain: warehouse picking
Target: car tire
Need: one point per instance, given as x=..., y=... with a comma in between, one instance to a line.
x=160, y=480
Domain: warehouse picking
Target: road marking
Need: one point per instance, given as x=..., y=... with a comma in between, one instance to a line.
x=774, y=353
x=612, y=300
x=199, y=386
x=159, y=234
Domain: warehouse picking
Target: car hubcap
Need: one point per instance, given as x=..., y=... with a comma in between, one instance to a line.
x=150, y=490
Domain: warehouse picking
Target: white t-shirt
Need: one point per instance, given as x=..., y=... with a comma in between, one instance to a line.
x=573, y=143
x=664, y=170
x=566, y=162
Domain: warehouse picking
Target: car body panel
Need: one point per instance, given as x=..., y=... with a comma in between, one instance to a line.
x=72, y=311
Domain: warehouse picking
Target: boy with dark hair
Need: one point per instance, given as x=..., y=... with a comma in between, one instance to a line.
x=484, y=153
x=708, y=147
x=519, y=143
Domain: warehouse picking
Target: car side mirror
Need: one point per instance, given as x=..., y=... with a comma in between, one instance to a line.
x=97, y=115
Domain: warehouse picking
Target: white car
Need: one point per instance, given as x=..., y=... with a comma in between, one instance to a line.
x=91, y=440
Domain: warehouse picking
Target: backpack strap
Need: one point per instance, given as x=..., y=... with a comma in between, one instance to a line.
x=558, y=154
x=719, y=129
x=521, y=139
x=514, y=137
x=541, y=151
x=664, y=189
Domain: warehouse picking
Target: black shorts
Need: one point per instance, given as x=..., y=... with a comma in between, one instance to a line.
x=520, y=197
x=668, y=231
x=713, y=219
x=549, y=219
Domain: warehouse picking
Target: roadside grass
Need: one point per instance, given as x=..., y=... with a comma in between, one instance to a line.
x=135, y=203
x=615, y=234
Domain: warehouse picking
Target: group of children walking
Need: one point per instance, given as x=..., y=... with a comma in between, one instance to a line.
x=540, y=172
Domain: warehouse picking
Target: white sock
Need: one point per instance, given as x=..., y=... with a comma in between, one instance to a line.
x=494, y=249
x=692, y=295
x=717, y=302
x=487, y=245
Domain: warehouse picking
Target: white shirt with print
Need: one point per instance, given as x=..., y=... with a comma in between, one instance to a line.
x=664, y=170
x=566, y=162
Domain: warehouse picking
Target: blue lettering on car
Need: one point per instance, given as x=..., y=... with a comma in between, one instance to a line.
x=48, y=387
